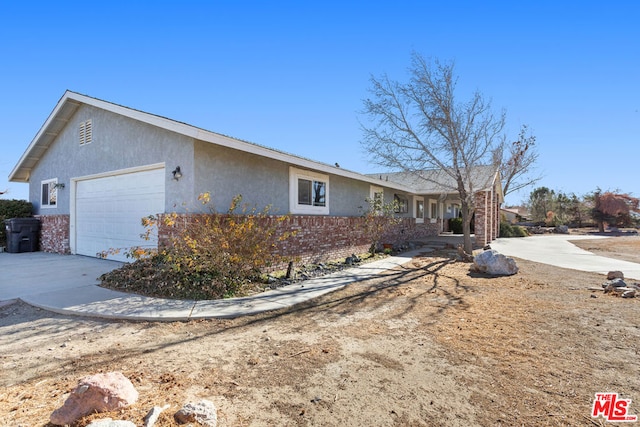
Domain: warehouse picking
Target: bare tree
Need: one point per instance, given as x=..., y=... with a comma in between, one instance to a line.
x=421, y=125
x=517, y=162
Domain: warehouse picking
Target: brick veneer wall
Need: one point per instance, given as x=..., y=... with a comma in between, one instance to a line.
x=487, y=224
x=322, y=238
x=54, y=233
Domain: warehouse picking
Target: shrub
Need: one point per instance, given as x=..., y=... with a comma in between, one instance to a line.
x=508, y=230
x=378, y=219
x=213, y=256
x=455, y=225
x=12, y=209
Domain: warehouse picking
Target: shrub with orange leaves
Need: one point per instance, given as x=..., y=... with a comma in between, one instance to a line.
x=213, y=255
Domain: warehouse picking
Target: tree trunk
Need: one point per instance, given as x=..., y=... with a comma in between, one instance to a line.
x=466, y=227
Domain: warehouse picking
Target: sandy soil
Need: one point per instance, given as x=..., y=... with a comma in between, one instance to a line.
x=424, y=345
x=624, y=248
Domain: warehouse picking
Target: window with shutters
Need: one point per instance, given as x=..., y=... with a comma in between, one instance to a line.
x=86, y=133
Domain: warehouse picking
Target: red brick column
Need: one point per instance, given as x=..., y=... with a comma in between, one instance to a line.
x=54, y=233
x=482, y=225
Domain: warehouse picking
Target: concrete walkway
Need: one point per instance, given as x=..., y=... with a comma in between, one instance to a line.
x=558, y=250
x=67, y=284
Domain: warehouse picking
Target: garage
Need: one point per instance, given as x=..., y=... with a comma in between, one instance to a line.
x=108, y=210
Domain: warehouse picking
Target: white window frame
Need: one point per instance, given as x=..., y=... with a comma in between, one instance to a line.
x=432, y=218
x=455, y=210
x=374, y=191
x=416, y=200
x=52, y=190
x=296, y=208
x=402, y=203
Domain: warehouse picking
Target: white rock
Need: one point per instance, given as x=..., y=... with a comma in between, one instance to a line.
x=152, y=416
x=494, y=263
x=203, y=412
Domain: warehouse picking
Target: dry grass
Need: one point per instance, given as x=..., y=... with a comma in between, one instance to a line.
x=427, y=344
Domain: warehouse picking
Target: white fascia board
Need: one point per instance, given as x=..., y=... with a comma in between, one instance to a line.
x=219, y=139
x=42, y=133
x=199, y=134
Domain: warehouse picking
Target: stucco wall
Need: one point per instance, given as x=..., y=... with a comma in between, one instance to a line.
x=118, y=143
x=225, y=172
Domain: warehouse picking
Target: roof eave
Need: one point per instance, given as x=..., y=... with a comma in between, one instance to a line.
x=63, y=110
x=71, y=101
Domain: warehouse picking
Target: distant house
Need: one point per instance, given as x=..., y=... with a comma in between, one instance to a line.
x=514, y=215
x=96, y=168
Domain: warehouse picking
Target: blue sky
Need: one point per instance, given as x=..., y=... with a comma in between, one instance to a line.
x=292, y=75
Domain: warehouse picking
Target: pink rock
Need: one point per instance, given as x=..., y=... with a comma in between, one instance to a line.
x=96, y=393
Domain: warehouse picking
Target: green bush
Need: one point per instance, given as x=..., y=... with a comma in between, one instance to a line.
x=12, y=209
x=455, y=225
x=508, y=230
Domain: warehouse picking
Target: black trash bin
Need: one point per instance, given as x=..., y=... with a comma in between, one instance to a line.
x=22, y=234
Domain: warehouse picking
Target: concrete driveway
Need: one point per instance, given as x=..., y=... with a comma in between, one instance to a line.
x=32, y=273
x=67, y=284
x=558, y=250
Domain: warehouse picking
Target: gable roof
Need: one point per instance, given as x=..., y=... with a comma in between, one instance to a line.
x=435, y=181
x=72, y=101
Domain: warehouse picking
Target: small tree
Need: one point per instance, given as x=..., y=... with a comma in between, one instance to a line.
x=379, y=218
x=541, y=201
x=517, y=162
x=614, y=209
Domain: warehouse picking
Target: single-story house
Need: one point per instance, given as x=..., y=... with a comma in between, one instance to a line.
x=96, y=168
x=512, y=215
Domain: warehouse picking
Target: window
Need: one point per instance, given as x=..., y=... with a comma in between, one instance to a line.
x=433, y=210
x=376, y=198
x=402, y=204
x=455, y=210
x=376, y=194
x=86, y=134
x=309, y=192
x=49, y=196
x=419, y=210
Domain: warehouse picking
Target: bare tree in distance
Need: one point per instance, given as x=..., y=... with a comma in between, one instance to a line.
x=420, y=125
x=517, y=161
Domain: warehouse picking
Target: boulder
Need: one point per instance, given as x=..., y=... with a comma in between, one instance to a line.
x=615, y=275
x=153, y=415
x=203, y=412
x=631, y=293
x=494, y=263
x=561, y=229
x=611, y=285
x=96, y=393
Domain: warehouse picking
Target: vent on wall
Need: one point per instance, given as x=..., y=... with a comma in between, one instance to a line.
x=85, y=132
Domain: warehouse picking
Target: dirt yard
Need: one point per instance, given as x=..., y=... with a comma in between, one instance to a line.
x=424, y=345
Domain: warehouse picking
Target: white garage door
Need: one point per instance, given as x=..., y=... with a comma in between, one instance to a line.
x=109, y=211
